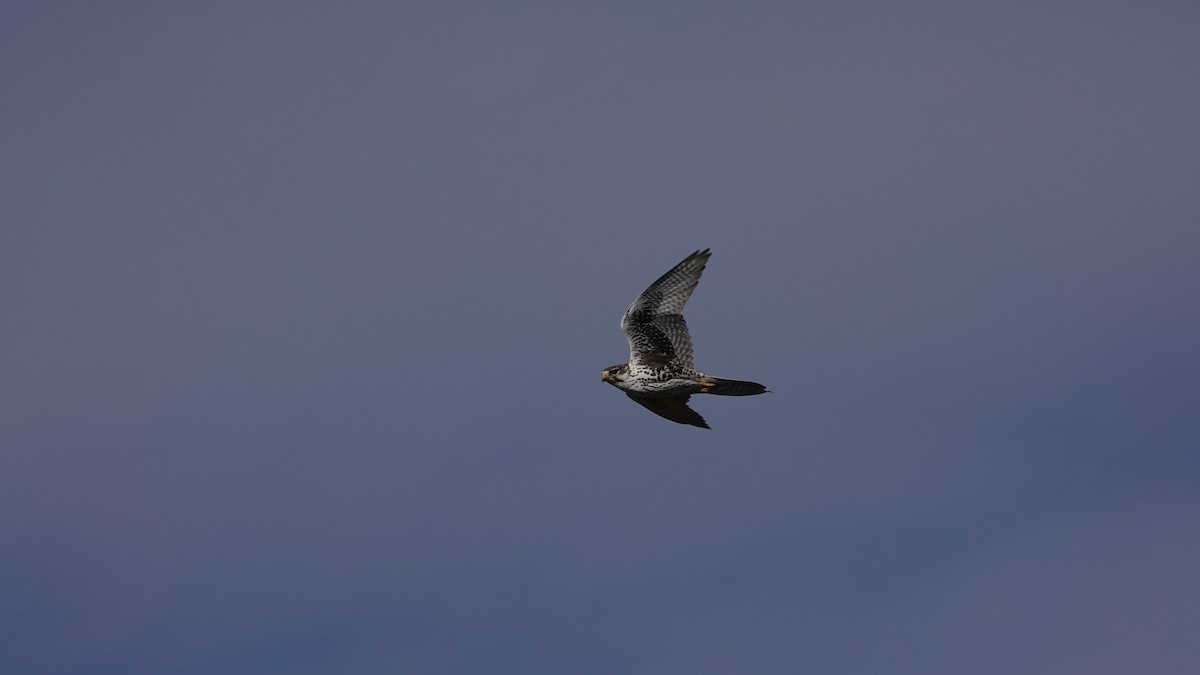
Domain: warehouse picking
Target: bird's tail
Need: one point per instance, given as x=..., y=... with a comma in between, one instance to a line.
x=722, y=387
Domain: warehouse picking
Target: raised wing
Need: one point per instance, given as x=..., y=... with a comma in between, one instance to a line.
x=654, y=322
x=674, y=408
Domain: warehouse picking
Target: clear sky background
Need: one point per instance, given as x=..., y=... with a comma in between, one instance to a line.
x=303, y=308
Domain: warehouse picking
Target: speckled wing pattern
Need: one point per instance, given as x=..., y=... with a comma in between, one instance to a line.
x=654, y=322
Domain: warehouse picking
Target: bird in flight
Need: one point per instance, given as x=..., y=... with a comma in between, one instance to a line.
x=661, y=374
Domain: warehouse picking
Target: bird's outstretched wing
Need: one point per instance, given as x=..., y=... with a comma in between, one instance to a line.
x=674, y=408
x=654, y=322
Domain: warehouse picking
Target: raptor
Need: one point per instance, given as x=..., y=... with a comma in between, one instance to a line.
x=661, y=374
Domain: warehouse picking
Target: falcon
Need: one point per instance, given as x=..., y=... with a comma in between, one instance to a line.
x=661, y=374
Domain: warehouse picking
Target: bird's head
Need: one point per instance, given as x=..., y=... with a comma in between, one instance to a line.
x=615, y=374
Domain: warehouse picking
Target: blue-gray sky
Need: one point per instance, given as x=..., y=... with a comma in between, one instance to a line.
x=305, y=305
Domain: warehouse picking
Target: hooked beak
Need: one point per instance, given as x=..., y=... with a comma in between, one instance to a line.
x=604, y=375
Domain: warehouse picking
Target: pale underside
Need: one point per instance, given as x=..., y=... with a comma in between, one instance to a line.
x=661, y=373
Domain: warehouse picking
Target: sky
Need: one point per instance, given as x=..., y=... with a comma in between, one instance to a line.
x=305, y=307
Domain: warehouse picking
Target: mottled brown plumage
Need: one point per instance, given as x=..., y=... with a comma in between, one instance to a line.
x=661, y=374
